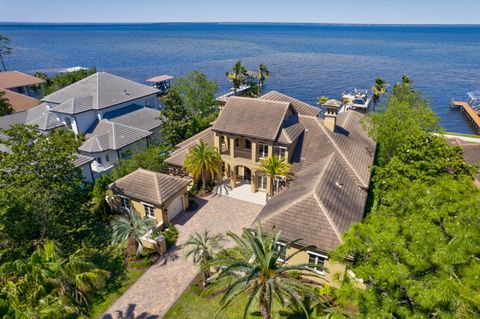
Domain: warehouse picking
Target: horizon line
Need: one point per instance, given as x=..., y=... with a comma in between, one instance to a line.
x=243, y=22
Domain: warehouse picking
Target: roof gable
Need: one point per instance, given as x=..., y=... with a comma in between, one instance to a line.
x=300, y=107
x=252, y=117
x=102, y=89
x=152, y=187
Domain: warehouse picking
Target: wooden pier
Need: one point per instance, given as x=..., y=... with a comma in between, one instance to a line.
x=470, y=113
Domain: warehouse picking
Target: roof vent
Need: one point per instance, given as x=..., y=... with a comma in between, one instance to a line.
x=338, y=183
x=125, y=92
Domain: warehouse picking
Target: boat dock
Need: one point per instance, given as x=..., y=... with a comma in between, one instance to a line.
x=469, y=112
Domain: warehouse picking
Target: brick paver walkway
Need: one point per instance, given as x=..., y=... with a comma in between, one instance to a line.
x=156, y=291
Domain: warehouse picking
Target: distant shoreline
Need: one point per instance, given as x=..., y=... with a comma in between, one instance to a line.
x=7, y=23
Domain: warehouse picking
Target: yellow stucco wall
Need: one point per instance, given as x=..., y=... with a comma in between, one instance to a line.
x=332, y=268
x=138, y=206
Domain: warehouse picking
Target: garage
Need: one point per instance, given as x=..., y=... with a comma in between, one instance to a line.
x=175, y=207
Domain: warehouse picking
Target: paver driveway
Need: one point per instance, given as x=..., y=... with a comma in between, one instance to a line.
x=155, y=292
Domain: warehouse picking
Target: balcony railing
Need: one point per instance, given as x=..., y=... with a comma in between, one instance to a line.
x=247, y=154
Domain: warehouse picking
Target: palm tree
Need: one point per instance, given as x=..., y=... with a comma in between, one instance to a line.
x=237, y=76
x=379, y=89
x=262, y=74
x=202, y=248
x=406, y=80
x=5, y=49
x=253, y=268
x=45, y=284
x=322, y=100
x=202, y=159
x=131, y=228
x=276, y=168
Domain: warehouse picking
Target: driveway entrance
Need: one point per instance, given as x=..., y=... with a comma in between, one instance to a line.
x=156, y=291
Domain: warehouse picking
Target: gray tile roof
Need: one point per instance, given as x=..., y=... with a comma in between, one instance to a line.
x=144, y=118
x=291, y=133
x=350, y=142
x=250, y=117
x=321, y=204
x=81, y=160
x=178, y=156
x=109, y=135
x=152, y=187
x=38, y=115
x=97, y=91
x=299, y=106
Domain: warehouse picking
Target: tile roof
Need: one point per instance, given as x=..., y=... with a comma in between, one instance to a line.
x=299, y=106
x=144, y=118
x=321, y=204
x=152, y=187
x=178, y=156
x=38, y=115
x=81, y=160
x=13, y=79
x=19, y=102
x=250, y=117
x=290, y=134
x=101, y=89
x=471, y=152
x=109, y=135
x=355, y=149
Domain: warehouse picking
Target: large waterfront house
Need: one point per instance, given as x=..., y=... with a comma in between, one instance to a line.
x=20, y=89
x=117, y=116
x=330, y=155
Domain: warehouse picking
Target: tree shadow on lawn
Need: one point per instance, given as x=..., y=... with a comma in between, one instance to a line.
x=130, y=314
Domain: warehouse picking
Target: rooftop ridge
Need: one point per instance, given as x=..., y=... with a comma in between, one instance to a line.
x=320, y=203
x=340, y=152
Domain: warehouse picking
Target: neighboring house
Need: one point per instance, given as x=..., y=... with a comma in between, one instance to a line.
x=20, y=89
x=83, y=163
x=471, y=153
x=151, y=194
x=116, y=115
x=330, y=156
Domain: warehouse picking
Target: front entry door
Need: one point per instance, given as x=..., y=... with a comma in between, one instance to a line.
x=247, y=175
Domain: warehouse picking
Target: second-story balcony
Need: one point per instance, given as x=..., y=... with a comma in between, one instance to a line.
x=238, y=152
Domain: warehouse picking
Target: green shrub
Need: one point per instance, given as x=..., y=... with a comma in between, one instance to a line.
x=171, y=235
x=295, y=275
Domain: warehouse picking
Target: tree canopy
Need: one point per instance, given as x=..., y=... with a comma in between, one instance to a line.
x=41, y=196
x=5, y=107
x=62, y=80
x=418, y=249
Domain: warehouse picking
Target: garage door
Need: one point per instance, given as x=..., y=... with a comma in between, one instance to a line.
x=175, y=207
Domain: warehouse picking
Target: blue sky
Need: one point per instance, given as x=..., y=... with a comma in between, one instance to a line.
x=318, y=11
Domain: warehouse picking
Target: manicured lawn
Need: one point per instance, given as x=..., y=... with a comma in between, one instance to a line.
x=131, y=276
x=189, y=305
x=461, y=134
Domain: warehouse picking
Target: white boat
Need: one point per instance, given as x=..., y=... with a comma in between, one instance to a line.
x=357, y=99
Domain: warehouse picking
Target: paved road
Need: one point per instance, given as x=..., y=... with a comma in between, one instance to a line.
x=156, y=291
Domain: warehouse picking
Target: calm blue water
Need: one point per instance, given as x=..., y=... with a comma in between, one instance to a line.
x=306, y=61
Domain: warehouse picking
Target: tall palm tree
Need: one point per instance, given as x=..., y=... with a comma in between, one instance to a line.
x=322, y=100
x=202, y=159
x=406, y=80
x=379, y=89
x=203, y=248
x=46, y=284
x=252, y=268
x=275, y=168
x=263, y=74
x=237, y=76
x=131, y=228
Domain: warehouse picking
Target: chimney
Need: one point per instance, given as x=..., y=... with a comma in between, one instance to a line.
x=331, y=112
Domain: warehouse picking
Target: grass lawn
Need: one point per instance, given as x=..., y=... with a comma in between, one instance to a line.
x=189, y=305
x=131, y=276
x=461, y=134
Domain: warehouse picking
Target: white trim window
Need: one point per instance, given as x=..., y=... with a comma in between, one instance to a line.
x=281, y=152
x=262, y=150
x=262, y=182
x=317, y=259
x=124, y=202
x=283, y=256
x=149, y=210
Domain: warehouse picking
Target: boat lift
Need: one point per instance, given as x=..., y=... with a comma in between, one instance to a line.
x=161, y=82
